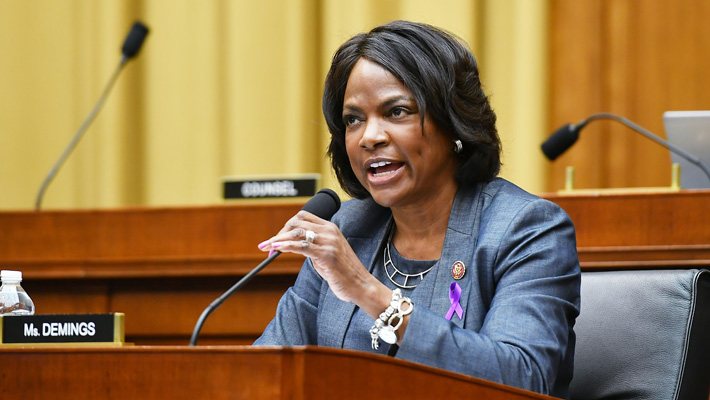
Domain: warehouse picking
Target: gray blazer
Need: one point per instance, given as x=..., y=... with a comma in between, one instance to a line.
x=520, y=292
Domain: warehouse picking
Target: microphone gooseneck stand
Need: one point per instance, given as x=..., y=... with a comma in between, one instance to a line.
x=78, y=135
x=567, y=135
x=130, y=48
x=323, y=205
x=218, y=302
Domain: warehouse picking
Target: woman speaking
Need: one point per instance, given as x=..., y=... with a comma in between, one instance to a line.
x=435, y=260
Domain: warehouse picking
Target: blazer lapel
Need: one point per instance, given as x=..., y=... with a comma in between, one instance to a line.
x=336, y=314
x=459, y=245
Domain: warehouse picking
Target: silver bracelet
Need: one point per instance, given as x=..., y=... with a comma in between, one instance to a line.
x=384, y=328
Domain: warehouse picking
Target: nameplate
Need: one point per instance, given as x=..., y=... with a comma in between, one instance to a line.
x=265, y=187
x=62, y=328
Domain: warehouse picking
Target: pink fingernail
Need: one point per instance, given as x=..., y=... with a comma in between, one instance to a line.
x=276, y=245
x=263, y=244
x=271, y=252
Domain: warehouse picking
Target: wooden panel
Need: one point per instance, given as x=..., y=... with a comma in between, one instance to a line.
x=575, y=63
x=143, y=242
x=165, y=310
x=636, y=230
x=175, y=305
x=633, y=58
x=161, y=267
x=68, y=296
x=230, y=373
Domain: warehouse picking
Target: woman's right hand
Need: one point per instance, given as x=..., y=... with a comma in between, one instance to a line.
x=334, y=260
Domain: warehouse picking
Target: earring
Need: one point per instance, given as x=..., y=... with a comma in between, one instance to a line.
x=458, y=146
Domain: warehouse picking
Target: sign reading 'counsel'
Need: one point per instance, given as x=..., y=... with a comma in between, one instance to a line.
x=271, y=187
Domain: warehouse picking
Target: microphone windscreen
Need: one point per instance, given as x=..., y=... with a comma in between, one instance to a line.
x=134, y=40
x=323, y=205
x=560, y=141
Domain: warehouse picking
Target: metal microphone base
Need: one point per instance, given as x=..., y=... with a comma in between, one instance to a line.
x=570, y=190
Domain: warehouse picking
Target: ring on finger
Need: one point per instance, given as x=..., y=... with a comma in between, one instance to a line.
x=310, y=236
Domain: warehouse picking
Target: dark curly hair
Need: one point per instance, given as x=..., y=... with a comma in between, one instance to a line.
x=442, y=74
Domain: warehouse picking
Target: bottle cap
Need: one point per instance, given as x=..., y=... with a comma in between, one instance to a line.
x=11, y=276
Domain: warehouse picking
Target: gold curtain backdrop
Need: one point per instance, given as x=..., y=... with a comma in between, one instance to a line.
x=222, y=88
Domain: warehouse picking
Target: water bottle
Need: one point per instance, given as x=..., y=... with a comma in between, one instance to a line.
x=13, y=298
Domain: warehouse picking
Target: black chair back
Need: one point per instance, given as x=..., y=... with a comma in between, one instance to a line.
x=643, y=335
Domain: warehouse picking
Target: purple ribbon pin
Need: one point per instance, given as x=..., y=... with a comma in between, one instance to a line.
x=454, y=297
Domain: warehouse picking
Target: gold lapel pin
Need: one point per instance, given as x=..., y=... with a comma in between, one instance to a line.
x=458, y=270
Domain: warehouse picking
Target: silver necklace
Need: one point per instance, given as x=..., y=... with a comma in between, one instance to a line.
x=397, y=273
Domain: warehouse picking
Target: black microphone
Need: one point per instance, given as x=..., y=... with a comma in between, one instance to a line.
x=134, y=40
x=561, y=140
x=323, y=205
x=564, y=137
x=131, y=46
